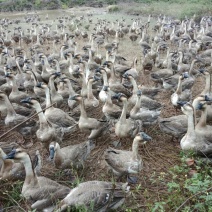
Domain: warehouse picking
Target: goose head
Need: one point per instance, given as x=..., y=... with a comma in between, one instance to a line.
x=139, y=93
x=100, y=70
x=120, y=97
x=29, y=100
x=17, y=155
x=105, y=88
x=53, y=146
x=93, y=78
x=203, y=71
x=108, y=64
x=186, y=107
x=201, y=105
x=76, y=97
x=200, y=99
x=56, y=74
x=142, y=136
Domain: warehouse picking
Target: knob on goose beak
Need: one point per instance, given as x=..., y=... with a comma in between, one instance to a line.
x=26, y=100
x=181, y=103
x=139, y=93
x=207, y=98
x=118, y=96
x=145, y=136
x=11, y=155
x=105, y=88
x=185, y=75
x=74, y=97
x=51, y=150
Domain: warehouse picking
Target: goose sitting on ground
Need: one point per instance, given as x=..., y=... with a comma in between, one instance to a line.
x=180, y=95
x=36, y=189
x=9, y=169
x=126, y=162
x=193, y=140
x=68, y=156
x=96, y=196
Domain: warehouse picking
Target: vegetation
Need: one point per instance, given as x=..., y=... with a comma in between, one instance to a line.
x=177, y=8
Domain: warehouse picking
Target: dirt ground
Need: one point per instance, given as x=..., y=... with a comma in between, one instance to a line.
x=158, y=156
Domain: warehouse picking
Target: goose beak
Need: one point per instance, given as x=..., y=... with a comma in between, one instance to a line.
x=139, y=93
x=27, y=100
x=185, y=75
x=73, y=97
x=202, y=71
x=105, y=88
x=51, y=149
x=11, y=155
x=199, y=106
x=145, y=136
x=181, y=103
x=207, y=98
x=96, y=78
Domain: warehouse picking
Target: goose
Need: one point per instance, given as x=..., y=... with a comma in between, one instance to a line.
x=147, y=116
x=94, y=126
x=193, y=140
x=124, y=162
x=55, y=97
x=180, y=95
x=70, y=156
x=57, y=116
x=176, y=126
x=114, y=81
x=110, y=110
x=15, y=95
x=45, y=133
x=9, y=169
x=19, y=109
x=12, y=119
x=126, y=127
x=146, y=102
x=36, y=189
x=157, y=76
x=91, y=100
x=99, y=196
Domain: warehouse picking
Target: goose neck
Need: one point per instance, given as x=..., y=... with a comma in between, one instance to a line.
x=124, y=111
x=135, y=155
x=41, y=116
x=90, y=92
x=179, y=86
x=203, y=118
x=105, y=79
x=10, y=109
x=30, y=175
x=48, y=97
x=191, y=123
x=83, y=113
x=135, y=86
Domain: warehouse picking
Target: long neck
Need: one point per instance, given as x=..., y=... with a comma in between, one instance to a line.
x=46, y=64
x=41, y=116
x=191, y=67
x=82, y=109
x=108, y=101
x=190, y=129
x=52, y=87
x=30, y=175
x=90, y=92
x=48, y=97
x=207, y=84
x=203, y=118
x=124, y=111
x=137, y=106
x=10, y=109
x=14, y=85
x=135, y=154
x=70, y=89
x=179, y=86
x=135, y=87
x=105, y=80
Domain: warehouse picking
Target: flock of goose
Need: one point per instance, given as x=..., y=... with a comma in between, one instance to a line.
x=43, y=71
